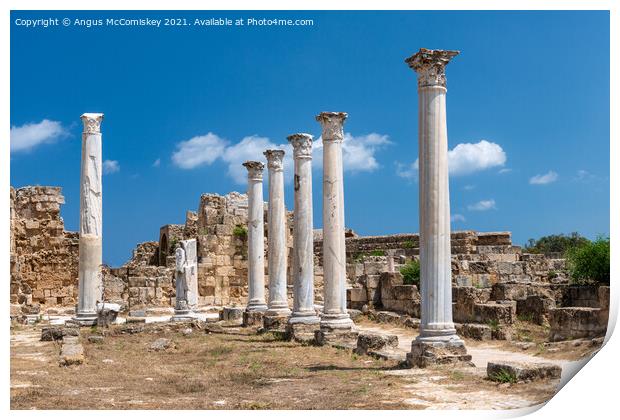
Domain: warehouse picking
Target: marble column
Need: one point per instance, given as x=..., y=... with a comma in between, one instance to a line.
x=335, y=315
x=90, y=288
x=186, y=278
x=435, y=260
x=256, y=238
x=276, y=228
x=303, y=238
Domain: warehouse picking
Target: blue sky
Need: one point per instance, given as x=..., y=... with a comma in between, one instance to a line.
x=528, y=114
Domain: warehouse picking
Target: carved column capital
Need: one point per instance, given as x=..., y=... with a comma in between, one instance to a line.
x=255, y=170
x=92, y=122
x=431, y=66
x=274, y=159
x=302, y=145
x=332, y=123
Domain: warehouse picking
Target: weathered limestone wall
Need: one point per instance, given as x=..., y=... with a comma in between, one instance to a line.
x=44, y=258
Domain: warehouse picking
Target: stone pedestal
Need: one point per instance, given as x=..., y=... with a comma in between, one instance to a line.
x=303, y=245
x=436, y=325
x=256, y=238
x=90, y=289
x=335, y=315
x=424, y=354
x=253, y=318
x=274, y=322
x=300, y=332
x=276, y=223
x=336, y=337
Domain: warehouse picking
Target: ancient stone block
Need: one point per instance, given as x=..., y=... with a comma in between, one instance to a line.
x=519, y=371
x=535, y=308
x=371, y=341
x=424, y=354
x=571, y=323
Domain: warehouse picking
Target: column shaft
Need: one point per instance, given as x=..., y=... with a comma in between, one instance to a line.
x=256, y=238
x=303, y=238
x=90, y=243
x=276, y=250
x=335, y=313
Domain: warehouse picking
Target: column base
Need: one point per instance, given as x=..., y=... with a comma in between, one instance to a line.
x=308, y=318
x=331, y=322
x=256, y=307
x=274, y=322
x=183, y=316
x=278, y=311
x=87, y=319
x=339, y=338
x=426, y=351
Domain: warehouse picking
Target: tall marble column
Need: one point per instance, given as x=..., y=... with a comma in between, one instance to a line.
x=303, y=238
x=90, y=286
x=335, y=315
x=436, y=326
x=276, y=227
x=256, y=238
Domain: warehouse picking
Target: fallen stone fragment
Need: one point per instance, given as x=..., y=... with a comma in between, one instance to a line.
x=71, y=352
x=372, y=341
x=97, y=339
x=232, y=313
x=57, y=332
x=161, y=344
x=107, y=313
x=354, y=314
x=520, y=371
x=214, y=329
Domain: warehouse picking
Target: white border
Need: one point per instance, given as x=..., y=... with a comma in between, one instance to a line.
x=592, y=394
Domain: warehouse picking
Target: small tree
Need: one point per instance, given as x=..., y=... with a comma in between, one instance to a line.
x=411, y=272
x=555, y=243
x=589, y=263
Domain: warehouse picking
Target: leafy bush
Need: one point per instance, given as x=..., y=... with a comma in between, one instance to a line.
x=555, y=243
x=377, y=253
x=411, y=272
x=240, y=232
x=408, y=244
x=503, y=376
x=589, y=263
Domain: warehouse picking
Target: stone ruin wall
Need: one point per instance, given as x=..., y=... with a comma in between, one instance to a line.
x=486, y=267
x=44, y=257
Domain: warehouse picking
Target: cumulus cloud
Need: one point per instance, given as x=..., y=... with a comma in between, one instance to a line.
x=504, y=171
x=547, y=178
x=199, y=150
x=358, y=153
x=457, y=218
x=464, y=159
x=482, y=205
x=111, y=166
x=26, y=137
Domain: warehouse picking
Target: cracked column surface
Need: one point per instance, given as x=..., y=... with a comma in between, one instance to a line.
x=435, y=260
x=90, y=249
x=276, y=227
x=303, y=240
x=335, y=315
x=256, y=238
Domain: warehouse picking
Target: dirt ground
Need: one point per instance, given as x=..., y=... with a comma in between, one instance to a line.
x=240, y=370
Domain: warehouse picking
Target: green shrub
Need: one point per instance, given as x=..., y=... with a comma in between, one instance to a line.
x=555, y=243
x=589, y=262
x=408, y=244
x=377, y=253
x=411, y=272
x=240, y=232
x=503, y=376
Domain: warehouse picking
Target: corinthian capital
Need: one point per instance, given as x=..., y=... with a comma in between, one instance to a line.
x=255, y=170
x=431, y=66
x=302, y=145
x=92, y=122
x=274, y=159
x=332, y=123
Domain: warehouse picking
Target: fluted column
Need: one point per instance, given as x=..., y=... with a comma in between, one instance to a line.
x=303, y=238
x=256, y=238
x=276, y=227
x=435, y=263
x=335, y=313
x=90, y=247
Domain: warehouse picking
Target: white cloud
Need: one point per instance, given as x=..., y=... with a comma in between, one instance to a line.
x=199, y=150
x=457, y=218
x=111, y=166
x=464, y=159
x=504, y=171
x=547, y=178
x=469, y=187
x=28, y=136
x=358, y=153
x=157, y=163
x=482, y=205
x=467, y=158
